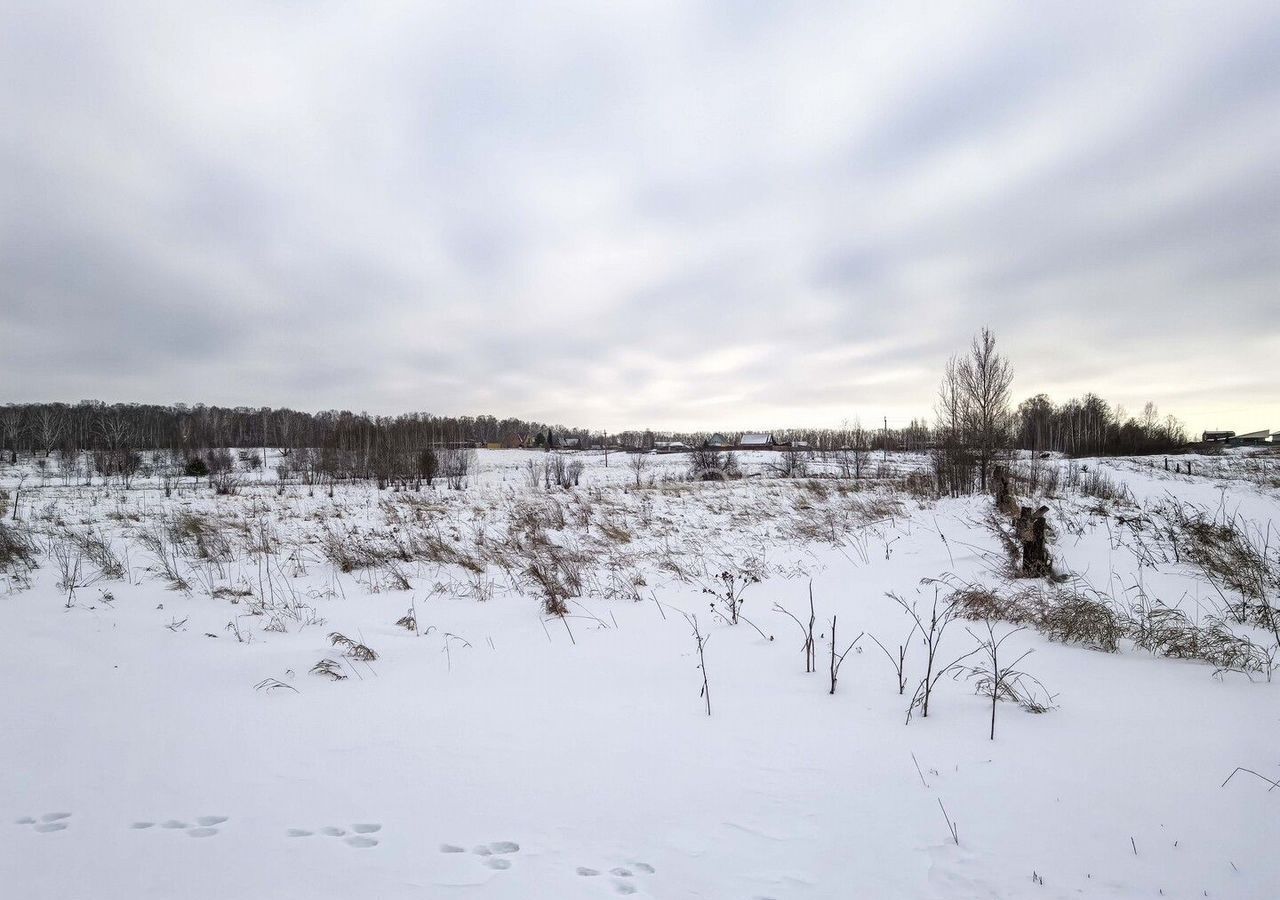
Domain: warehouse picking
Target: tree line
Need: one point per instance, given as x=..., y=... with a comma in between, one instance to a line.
x=974, y=421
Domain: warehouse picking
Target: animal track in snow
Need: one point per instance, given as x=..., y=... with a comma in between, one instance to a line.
x=623, y=887
x=49, y=822
x=202, y=828
x=491, y=853
x=359, y=839
x=620, y=872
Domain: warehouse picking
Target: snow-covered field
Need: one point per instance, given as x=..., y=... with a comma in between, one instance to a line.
x=172, y=727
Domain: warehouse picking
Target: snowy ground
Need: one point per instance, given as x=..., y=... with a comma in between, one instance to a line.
x=161, y=742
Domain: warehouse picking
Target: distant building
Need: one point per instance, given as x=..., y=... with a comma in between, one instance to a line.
x=670, y=446
x=515, y=441
x=1250, y=439
x=717, y=440
x=1211, y=436
x=756, y=441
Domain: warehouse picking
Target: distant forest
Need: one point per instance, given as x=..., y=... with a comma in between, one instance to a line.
x=1084, y=427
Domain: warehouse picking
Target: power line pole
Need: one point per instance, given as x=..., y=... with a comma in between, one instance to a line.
x=886, y=439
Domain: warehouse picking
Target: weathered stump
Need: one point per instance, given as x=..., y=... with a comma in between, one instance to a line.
x=1032, y=530
x=1005, y=501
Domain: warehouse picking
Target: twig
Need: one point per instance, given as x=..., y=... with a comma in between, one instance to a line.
x=951, y=826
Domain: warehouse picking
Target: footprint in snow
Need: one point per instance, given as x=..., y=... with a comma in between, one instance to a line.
x=48, y=823
x=623, y=887
x=333, y=831
x=619, y=871
x=209, y=821
x=299, y=832
x=174, y=824
x=361, y=841
x=141, y=825
x=201, y=832
x=491, y=853
x=366, y=828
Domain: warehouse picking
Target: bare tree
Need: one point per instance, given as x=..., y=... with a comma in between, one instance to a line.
x=950, y=407
x=639, y=463
x=985, y=380
x=48, y=428
x=710, y=464
x=115, y=429
x=11, y=427
x=791, y=462
x=456, y=464
x=556, y=470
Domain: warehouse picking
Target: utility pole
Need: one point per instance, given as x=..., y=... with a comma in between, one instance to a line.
x=886, y=439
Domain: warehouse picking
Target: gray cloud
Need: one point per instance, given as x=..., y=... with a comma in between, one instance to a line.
x=666, y=214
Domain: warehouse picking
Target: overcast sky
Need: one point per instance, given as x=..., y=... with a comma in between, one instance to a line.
x=682, y=215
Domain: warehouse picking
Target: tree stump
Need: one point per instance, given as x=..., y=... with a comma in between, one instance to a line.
x=1031, y=529
x=1005, y=501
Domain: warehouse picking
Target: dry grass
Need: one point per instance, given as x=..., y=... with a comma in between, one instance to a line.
x=17, y=549
x=1231, y=554
x=1087, y=618
x=352, y=649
